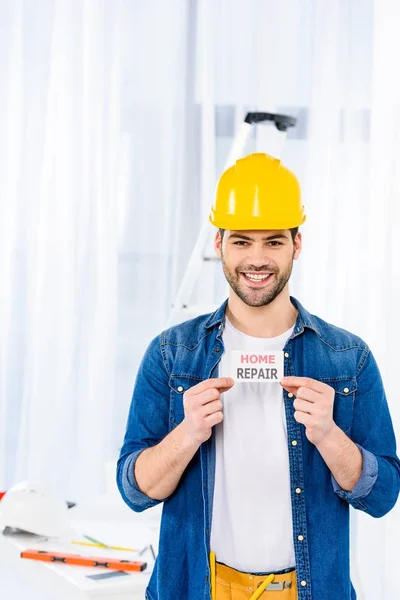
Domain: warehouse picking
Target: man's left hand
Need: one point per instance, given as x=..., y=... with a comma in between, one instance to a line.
x=313, y=406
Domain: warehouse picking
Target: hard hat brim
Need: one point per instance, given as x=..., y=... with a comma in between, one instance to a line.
x=231, y=223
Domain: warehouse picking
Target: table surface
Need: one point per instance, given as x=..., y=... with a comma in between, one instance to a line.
x=108, y=520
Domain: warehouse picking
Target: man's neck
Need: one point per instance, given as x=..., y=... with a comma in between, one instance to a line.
x=266, y=321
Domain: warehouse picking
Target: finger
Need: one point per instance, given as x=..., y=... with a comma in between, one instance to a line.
x=313, y=384
x=303, y=406
x=290, y=389
x=308, y=395
x=302, y=417
x=214, y=419
x=211, y=408
x=219, y=383
x=197, y=400
x=206, y=397
x=303, y=392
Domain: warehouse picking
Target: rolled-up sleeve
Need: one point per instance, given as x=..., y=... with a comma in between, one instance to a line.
x=367, y=478
x=147, y=424
x=377, y=489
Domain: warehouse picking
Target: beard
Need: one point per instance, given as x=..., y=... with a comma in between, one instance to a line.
x=253, y=296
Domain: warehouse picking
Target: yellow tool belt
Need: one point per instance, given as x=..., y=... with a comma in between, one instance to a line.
x=230, y=584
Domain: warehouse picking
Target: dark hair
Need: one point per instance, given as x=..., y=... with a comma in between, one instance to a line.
x=293, y=231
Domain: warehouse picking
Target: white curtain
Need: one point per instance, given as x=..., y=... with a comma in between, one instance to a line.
x=95, y=167
x=116, y=117
x=60, y=146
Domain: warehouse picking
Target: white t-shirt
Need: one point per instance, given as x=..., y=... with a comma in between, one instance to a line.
x=252, y=516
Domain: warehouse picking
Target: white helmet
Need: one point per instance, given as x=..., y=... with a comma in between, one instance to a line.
x=34, y=508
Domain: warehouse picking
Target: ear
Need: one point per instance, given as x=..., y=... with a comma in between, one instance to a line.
x=298, y=244
x=218, y=244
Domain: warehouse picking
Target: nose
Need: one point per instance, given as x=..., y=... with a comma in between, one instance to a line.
x=258, y=255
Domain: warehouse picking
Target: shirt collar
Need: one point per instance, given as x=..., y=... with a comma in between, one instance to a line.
x=304, y=318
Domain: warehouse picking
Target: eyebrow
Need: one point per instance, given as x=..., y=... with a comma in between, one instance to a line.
x=249, y=239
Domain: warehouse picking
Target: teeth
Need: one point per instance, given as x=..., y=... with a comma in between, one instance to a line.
x=257, y=277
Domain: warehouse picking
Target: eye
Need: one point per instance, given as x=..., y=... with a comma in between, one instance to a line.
x=239, y=243
x=275, y=242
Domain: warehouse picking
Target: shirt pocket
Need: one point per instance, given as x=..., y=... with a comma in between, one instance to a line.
x=179, y=384
x=343, y=406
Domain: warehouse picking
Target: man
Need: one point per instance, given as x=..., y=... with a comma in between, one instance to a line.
x=256, y=473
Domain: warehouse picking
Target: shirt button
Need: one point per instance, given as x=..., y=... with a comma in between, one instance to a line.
x=180, y=389
x=298, y=491
x=294, y=443
x=286, y=355
x=250, y=577
x=346, y=390
x=303, y=583
x=300, y=538
x=290, y=395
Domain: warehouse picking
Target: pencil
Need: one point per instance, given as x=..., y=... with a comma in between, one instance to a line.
x=212, y=573
x=95, y=541
x=103, y=546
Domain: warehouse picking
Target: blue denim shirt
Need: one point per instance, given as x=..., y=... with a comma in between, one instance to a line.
x=188, y=353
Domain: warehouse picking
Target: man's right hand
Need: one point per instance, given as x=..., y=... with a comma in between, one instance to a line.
x=203, y=407
x=159, y=468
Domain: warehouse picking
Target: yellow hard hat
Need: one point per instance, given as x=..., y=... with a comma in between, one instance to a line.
x=257, y=192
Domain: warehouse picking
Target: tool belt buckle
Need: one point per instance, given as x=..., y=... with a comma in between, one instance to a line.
x=277, y=586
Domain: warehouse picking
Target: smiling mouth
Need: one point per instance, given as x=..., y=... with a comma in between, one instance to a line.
x=257, y=279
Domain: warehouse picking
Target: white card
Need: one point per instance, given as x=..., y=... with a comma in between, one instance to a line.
x=260, y=367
